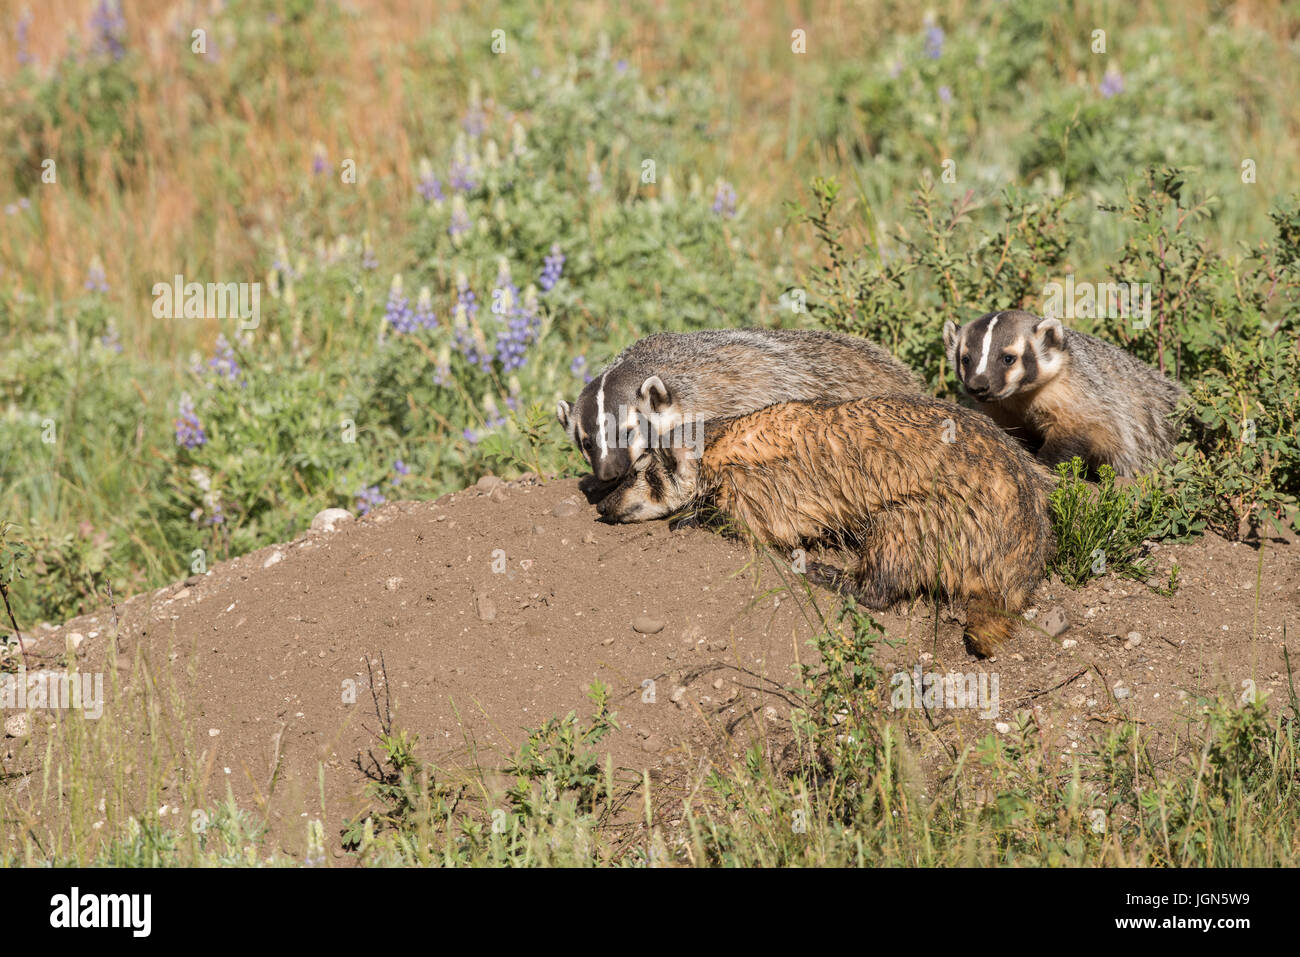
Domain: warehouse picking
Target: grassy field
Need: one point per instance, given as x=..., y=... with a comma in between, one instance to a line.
x=457, y=212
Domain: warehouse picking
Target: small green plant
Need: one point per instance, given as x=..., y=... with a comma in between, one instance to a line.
x=1102, y=528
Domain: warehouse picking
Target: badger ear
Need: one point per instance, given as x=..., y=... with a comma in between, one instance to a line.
x=655, y=394
x=562, y=413
x=1050, y=333
x=950, y=333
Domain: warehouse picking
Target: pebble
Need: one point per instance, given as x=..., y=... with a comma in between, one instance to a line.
x=274, y=558
x=393, y=583
x=75, y=639
x=1069, y=643
x=326, y=520
x=1134, y=639
x=645, y=625
x=488, y=482
x=1122, y=690
x=652, y=744
x=485, y=608
x=565, y=509
x=16, y=725
x=1056, y=621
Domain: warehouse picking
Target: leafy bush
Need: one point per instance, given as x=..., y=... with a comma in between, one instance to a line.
x=1104, y=528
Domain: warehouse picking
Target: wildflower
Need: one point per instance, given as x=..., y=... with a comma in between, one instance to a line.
x=189, y=431
x=25, y=57
x=319, y=159
x=1112, y=84
x=579, y=365
x=460, y=221
x=110, y=340
x=424, y=317
x=945, y=94
x=462, y=173
x=368, y=260
x=934, y=41
x=400, y=469
x=96, y=281
x=724, y=200
x=595, y=182
x=621, y=66
x=552, y=268
x=224, y=363
x=397, y=313
x=473, y=119
x=442, y=367
x=518, y=139
x=428, y=185
x=108, y=29
x=369, y=498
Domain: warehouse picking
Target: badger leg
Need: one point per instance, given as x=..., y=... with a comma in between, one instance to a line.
x=846, y=583
x=987, y=626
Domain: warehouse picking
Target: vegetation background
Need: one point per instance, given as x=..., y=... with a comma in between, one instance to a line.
x=458, y=211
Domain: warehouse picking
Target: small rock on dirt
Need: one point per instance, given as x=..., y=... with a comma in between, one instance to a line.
x=487, y=483
x=1056, y=621
x=326, y=520
x=565, y=509
x=485, y=608
x=273, y=559
x=645, y=625
x=16, y=725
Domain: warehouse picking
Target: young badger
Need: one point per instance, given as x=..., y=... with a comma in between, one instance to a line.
x=669, y=379
x=932, y=497
x=1065, y=393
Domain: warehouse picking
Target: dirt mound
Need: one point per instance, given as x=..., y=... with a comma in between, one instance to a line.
x=495, y=608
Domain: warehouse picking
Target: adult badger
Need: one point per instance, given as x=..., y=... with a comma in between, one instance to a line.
x=675, y=380
x=930, y=498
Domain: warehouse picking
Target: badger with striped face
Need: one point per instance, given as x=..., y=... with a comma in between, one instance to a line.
x=923, y=496
x=659, y=391
x=1063, y=393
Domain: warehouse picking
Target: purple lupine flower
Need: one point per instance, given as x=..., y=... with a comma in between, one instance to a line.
x=397, y=312
x=110, y=340
x=429, y=186
x=724, y=200
x=1112, y=84
x=224, y=363
x=461, y=176
x=11, y=209
x=520, y=332
x=108, y=29
x=368, y=498
x=400, y=469
x=465, y=296
x=24, y=203
x=460, y=221
x=96, y=281
x=621, y=66
x=189, y=431
x=424, y=317
x=319, y=159
x=552, y=268
x=579, y=365
x=25, y=57
x=473, y=121
x=945, y=94
x=934, y=41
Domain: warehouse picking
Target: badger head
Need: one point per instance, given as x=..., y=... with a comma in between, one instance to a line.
x=660, y=482
x=617, y=417
x=1002, y=353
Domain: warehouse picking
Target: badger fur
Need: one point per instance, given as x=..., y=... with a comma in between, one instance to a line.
x=932, y=498
x=675, y=381
x=1064, y=393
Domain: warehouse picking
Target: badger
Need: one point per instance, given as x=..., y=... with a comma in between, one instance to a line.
x=668, y=384
x=1064, y=393
x=928, y=497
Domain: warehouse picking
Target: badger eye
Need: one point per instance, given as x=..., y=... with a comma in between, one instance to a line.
x=1009, y=359
x=586, y=446
x=965, y=361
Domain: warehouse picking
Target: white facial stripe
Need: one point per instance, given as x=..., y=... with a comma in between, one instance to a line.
x=600, y=417
x=988, y=341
